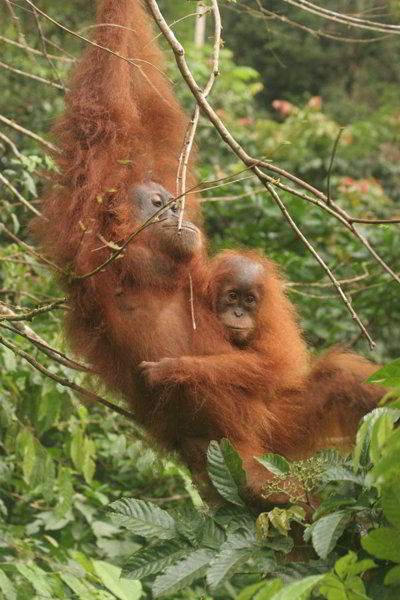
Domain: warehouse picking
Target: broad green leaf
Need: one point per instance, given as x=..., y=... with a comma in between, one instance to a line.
x=154, y=559
x=327, y=531
x=65, y=492
x=226, y=563
x=381, y=430
x=355, y=588
x=123, y=589
x=269, y=590
x=280, y=519
x=89, y=464
x=221, y=475
x=392, y=577
x=275, y=463
x=263, y=590
x=7, y=587
x=37, y=578
x=341, y=474
x=332, y=588
x=383, y=543
x=248, y=593
x=391, y=502
x=85, y=590
x=299, y=590
x=387, y=469
x=77, y=449
x=183, y=574
x=388, y=376
x=361, y=454
x=212, y=535
x=349, y=565
x=234, y=462
x=143, y=518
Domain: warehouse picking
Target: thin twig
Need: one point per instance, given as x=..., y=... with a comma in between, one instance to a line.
x=36, y=52
x=16, y=193
x=335, y=145
x=31, y=76
x=17, y=26
x=191, y=130
x=320, y=260
x=28, y=333
x=29, y=316
x=13, y=147
x=30, y=250
x=29, y=133
x=344, y=19
x=43, y=43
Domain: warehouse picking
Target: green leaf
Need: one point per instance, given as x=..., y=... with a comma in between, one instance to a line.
x=37, y=578
x=275, y=463
x=341, y=474
x=268, y=591
x=89, y=464
x=248, y=593
x=388, y=376
x=226, y=563
x=392, y=577
x=65, y=492
x=212, y=535
x=123, y=589
x=391, y=502
x=263, y=590
x=332, y=588
x=349, y=565
x=383, y=543
x=7, y=587
x=327, y=531
x=183, y=574
x=381, y=431
x=280, y=519
x=387, y=469
x=77, y=449
x=234, y=462
x=221, y=475
x=154, y=559
x=85, y=590
x=299, y=590
x=143, y=518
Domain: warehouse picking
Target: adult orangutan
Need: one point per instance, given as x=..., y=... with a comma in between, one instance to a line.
x=120, y=138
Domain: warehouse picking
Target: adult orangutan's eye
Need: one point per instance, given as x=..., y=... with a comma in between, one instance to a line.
x=156, y=201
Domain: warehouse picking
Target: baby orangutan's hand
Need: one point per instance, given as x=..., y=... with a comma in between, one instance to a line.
x=155, y=373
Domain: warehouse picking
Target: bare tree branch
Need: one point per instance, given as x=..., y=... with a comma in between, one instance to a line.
x=16, y=193
x=29, y=334
x=29, y=133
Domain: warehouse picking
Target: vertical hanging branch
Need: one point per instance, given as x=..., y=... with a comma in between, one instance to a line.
x=192, y=127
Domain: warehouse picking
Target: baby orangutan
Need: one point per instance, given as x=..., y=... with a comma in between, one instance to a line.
x=332, y=395
x=263, y=394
